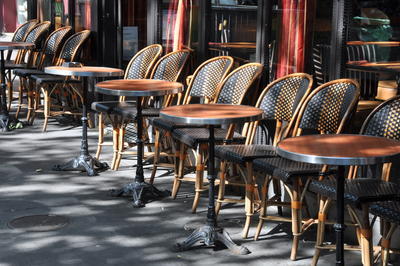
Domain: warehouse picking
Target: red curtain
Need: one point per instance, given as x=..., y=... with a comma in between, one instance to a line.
x=177, y=25
x=295, y=33
x=8, y=12
x=88, y=15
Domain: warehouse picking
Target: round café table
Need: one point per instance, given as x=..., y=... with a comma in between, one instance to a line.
x=211, y=115
x=84, y=162
x=341, y=150
x=4, y=116
x=139, y=88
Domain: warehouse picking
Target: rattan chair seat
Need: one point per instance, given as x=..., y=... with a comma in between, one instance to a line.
x=40, y=79
x=12, y=65
x=388, y=210
x=192, y=137
x=243, y=153
x=285, y=169
x=359, y=190
x=28, y=72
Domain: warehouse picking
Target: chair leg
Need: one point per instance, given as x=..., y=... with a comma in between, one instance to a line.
x=221, y=188
x=10, y=90
x=366, y=237
x=323, y=209
x=296, y=207
x=278, y=193
x=179, y=167
x=120, y=148
x=46, y=109
x=199, y=178
x=249, y=199
x=20, y=96
x=30, y=98
x=100, y=140
x=115, y=146
x=36, y=103
x=263, y=210
x=156, y=155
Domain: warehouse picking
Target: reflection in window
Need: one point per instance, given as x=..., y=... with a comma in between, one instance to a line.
x=82, y=15
x=61, y=12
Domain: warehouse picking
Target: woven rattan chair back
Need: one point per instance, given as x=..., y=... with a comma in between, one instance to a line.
x=142, y=63
x=36, y=35
x=206, y=78
x=53, y=45
x=328, y=107
x=170, y=66
x=281, y=101
x=20, y=33
x=72, y=47
x=384, y=120
x=234, y=87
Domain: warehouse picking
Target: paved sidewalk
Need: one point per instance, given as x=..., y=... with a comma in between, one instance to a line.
x=102, y=230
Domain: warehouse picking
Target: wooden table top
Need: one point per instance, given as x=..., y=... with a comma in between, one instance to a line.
x=341, y=149
x=85, y=71
x=393, y=67
x=211, y=114
x=15, y=45
x=138, y=87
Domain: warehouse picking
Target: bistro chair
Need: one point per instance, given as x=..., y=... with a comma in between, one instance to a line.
x=326, y=111
x=232, y=90
x=51, y=84
x=281, y=101
x=169, y=67
x=389, y=212
x=35, y=36
x=360, y=192
x=47, y=57
x=139, y=67
x=20, y=34
x=202, y=86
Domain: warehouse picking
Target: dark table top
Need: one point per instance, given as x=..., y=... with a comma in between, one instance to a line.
x=138, y=87
x=341, y=149
x=391, y=67
x=211, y=114
x=15, y=45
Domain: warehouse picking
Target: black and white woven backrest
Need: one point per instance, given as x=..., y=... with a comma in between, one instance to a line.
x=141, y=64
x=209, y=75
x=281, y=98
x=20, y=33
x=236, y=84
x=53, y=43
x=170, y=66
x=72, y=46
x=384, y=120
x=37, y=33
x=328, y=107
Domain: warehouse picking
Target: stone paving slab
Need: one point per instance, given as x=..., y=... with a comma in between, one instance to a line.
x=108, y=231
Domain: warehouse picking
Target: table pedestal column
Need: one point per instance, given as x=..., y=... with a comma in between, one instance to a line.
x=140, y=190
x=211, y=233
x=4, y=117
x=84, y=162
x=339, y=226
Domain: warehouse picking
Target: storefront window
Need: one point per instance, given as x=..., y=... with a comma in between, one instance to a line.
x=44, y=10
x=134, y=17
x=233, y=32
x=178, y=22
x=12, y=14
x=61, y=12
x=83, y=20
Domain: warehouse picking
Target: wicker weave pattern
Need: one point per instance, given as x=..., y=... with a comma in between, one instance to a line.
x=34, y=36
x=388, y=210
x=243, y=153
x=169, y=67
x=73, y=45
x=21, y=32
x=55, y=39
x=385, y=120
x=325, y=111
x=138, y=68
x=282, y=99
x=207, y=79
x=358, y=191
x=235, y=87
x=285, y=169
